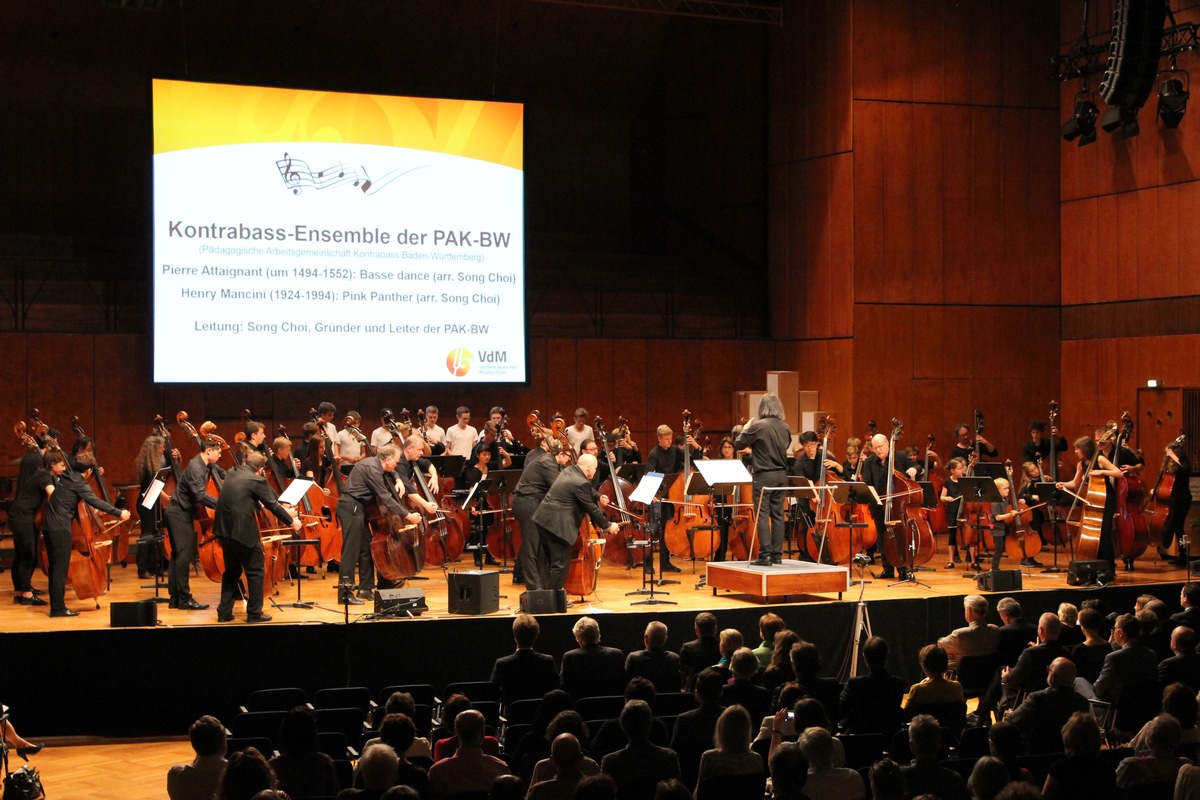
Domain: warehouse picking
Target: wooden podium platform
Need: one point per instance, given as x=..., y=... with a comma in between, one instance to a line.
x=772, y=584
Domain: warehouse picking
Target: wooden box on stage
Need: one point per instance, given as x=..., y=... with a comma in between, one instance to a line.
x=779, y=580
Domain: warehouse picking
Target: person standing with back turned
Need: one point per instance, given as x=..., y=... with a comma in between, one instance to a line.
x=768, y=437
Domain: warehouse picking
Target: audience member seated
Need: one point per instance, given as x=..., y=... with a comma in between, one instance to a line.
x=789, y=772
x=741, y=690
x=1130, y=664
x=1041, y=718
x=1160, y=766
x=246, y=774
x=871, y=703
x=1187, y=783
x=1184, y=665
x=610, y=737
x=469, y=769
x=672, y=790
x=301, y=768
x=1019, y=790
x=656, y=663
x=445, y=746
x=695, y=729
x=1071, y=633
x=934, y=690
x=1089, y=656
x=397, y=732
x=1189, y=598
x=567, y=722
x=1156, y=628
x=732, y=754
x=567, y=759
x=533, y=750
x=924, y=774
x=402, y=703
x=806, y=664
x=769, y=625
x=1082, y=775
x=779, y=671
x=1028, y=674
x=978, y=638
x=535, y=744
x=507, y=787
x=199, y=780
x=702, y=652
x=640, y=765
x=1178, y=701
x=409, y=793
x=592, y=670
x=525, y=674
x=988, y=777
x=596, y=787
x=729, y=642
x=788, y=723
x=886, y=780
x=1015, y=633
x=1004, y=743
x=825, y=781
x=377, y=768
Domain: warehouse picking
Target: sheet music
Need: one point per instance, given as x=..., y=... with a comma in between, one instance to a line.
x=647, y=488
x=152, y=493
x=296, y=490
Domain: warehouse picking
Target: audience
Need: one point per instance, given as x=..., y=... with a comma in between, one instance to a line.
x=610, y=736
x=806, y=664
x=402, y=703
x=1160, y=765
x=596, y=787
x=469, y=769
x=769, y=625
x=789, y=772
x=526, y=673
x=871, y=703
x=1071, y=633
x=732, y=755
x=301, y=769
x=741, y=689
x=246, y=774
x=978, y=638
x=397, y=732
x=567, y=758
x=1090, y=654
x=1028, y=674
x=1041, y=717
x=447, y=742
x=377, y=769
x=672, y=789
x=1015, y=633
x=886, y=781
x=1178, y=701
x=924, y=774
x=199, y=780
x=1189, y=598
x=695, y=729
x=591, y=669
x=701, y=652
x=1004, y=743
x=1156, y=628
x=1184, y=665
x=729, y=643
x=825, y=781
x=988, y=777
x=566, y=722
x=935, y=691
x=1082, y=775
x=1131, y=663
x=640, y=765
x=656, y=663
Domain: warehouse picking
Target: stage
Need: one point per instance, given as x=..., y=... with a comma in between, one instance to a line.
x=154, y=681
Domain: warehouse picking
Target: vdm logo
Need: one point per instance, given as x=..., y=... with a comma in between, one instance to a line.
x=459, y=361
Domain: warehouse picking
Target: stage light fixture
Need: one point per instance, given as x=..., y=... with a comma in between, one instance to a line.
x=1172, y=98
x=1082, y=125
x=1120, y=119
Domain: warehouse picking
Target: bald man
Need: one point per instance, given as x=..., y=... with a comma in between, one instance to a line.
x=570, y=498
x=875, y=473
x=656, y=663
x=1042, y=716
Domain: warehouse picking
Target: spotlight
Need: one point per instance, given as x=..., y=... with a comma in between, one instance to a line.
x=1123, y=118
x=1172, y=100
x=1082, y=125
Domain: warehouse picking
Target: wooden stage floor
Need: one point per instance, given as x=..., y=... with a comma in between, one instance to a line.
x=611, y=595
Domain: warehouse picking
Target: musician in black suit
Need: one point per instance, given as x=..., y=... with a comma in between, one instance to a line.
x=236, y=528
x=558, y=517
x=525, y=674
x=768, y=438
x=541, y=469
x=875, y=473
x=190, y=494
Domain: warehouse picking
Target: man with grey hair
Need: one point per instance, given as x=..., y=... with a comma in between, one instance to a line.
x=768, y=438
x=656, y=663
x=378, y=767
x=592, y=670
x=1026, y=674
x=570, y=498
x=978, y=638
x=1042, y=715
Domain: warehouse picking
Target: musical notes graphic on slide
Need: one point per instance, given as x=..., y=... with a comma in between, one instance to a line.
x=298, y=176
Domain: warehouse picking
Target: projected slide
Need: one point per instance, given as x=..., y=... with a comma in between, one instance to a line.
x=381, y=238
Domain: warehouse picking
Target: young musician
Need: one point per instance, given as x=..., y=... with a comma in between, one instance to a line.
x=853, y=453
x=999, y=517
x=460, y=438
x=190, y=494
x=1031, y=475
x=325, y=414
x=1181, y=500
x=151, y=462
x=768, y=438
x=1037, y=449
x=481, y=517
x=33, y=487
x=434, y=434
x=667, y=458
x=952, y=498
x=349, y=448
x=236, y=529
x=580, y=432
x=968, y=444
x=383, y=434
x=1085, y=451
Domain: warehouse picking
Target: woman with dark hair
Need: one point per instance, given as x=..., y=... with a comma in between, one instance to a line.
x=247, y=774
x=1082, y=775
x=779, y=670
x=935, y=689
x=302, y=770
x=1085, y=452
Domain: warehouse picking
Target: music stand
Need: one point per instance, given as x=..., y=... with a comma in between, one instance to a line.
x=150, y=508
x=504, y=484
x=632, y=472
x=1046, y=492
x=647, y=492
x=854, y=493
x=296, y=544
x=979, y=489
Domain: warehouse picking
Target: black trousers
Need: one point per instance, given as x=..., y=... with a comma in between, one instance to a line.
x=1176, y=515
x=58, y=549
x=183, y=553
x=356, y=545
x=24, y=554
x=555, y=556
x=241, y=559
x=770, y=511
x=528, y=557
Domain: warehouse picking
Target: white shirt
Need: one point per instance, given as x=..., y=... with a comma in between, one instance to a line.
x=577, y=438
x=435, y=434
x=460, y=441
x=349, y=444
x=380, y=436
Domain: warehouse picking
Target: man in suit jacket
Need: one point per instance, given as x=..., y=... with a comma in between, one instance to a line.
x=639, y=766
x=871, y=703
x=1042, y=715
x=978, y=638
x=656, y=663
x=525, y=674
x=694, y=729
x=703, y=651
x=1184, y=666
x=1027, y=674
x=1130, y=664
x=558, y=517
x=741, y=690
x=1189, y=598
x=236, y=528
x=1015, y=634
x=592, y=670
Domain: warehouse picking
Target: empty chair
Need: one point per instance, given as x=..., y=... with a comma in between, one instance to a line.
x=345, y=772
x=672, y=704
x=514, y=732
x=522, y=712
x=974, y=743
x=490, y=710
x=606, y=707
x=282, y=699
x=422, y=693
x=262, y=744
x=975, y=674
x=345, y=697
x=335, y=745
x=862, y=749
x=476, y=690
x=262, y=724
x=349, y=721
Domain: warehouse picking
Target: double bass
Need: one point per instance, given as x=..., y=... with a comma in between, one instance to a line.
x=1133, y=534
x=1055, y=529
x=1021, y=541
x=397, y=546
x=937, y=515
x=1158, y=502
x=908, y=541
x=212, y=557
x=120, y=532
x=825, y=537
x=690, y=511
x=583, y=568
x=1091, y=522
x=858, y=515
x=444, y=535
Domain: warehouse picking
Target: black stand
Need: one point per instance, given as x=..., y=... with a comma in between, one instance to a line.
x=650, y=546
x=1046, y=493
x=160, y=558
x=296, y=544
x=855, y=493
x=504, y=482
x=978, y=489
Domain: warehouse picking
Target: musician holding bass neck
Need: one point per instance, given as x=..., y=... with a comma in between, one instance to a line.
x=875, y=473
x=370, y=477
x=542, y=466
x=1037, y=449
x=1085, y=452
x=190, y=494
x=33, y=487
x=966, y=444
x=1177, y=464
x=570, y=498
x=236, y=529
x=768, y=438
x=667, y=458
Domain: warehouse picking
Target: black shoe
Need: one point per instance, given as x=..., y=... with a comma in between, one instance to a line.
x=258, y=618
x=310, y=570
x=365, y=594
x=37, y=592
x=29, y=601
x=491, y=562
x=776, y=558
x=667, y=566
x=350, y=600
x=905, y=574
x=332, y=566
x=191, y=605
x=976, y=567
x=65, y=612
x=887, y=574
x=224, y=617
x=172, y=603
x=762, y=561
x=518, y=580
x=32, y=750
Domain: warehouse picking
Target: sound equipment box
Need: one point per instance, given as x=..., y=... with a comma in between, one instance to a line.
x=138, y=614
x=544, y=601
x=1080, y=573
x=999, y=580
x=473, y=591
x=400, y=602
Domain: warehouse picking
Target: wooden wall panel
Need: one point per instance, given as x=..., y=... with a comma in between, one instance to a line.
x=14, y=394
x=62, y=380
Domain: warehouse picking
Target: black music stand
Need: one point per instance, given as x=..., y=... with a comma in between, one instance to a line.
x=650, y=546
x=485, y=486
x=505, y=483
x=632, y=473
x=724, y=490
x=448, y=466
x=296, y=544
x=156, y=537
x=980, y=489
x=1046, y=492
x=854, y=493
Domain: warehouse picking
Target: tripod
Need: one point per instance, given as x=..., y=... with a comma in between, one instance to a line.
x=862, y=624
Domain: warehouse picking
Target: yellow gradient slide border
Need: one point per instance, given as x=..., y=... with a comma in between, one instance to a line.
x=188, y=115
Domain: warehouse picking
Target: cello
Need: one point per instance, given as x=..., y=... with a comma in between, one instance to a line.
x=908, y=541
x=212, y=557
x=1158, y=502
x=938, y=521
x=397, y=545
x=824, y=535
x=1133, y=535
x=690, y=511
x=1021, y=541
x=583, y=568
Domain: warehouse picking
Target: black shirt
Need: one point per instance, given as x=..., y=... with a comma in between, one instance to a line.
x=768, y=439
x=192, y=489
x=1032, y=452
x=70, y=490
x=30, y=495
